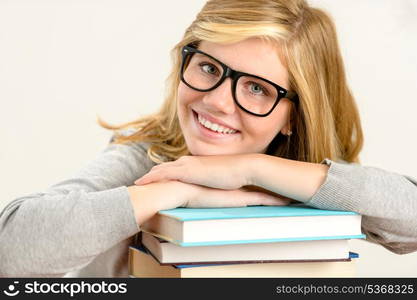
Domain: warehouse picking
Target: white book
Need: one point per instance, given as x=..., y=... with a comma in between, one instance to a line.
x=319, y=250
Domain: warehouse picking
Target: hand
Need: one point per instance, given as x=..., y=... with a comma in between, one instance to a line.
x=147, y=200
x=226, y=172
x=209, y=197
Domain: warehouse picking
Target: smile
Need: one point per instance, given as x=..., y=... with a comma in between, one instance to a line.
x=214, y=126
x=213, y=130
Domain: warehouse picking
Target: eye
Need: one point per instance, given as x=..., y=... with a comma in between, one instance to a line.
x=208, y=68
x=257, y=89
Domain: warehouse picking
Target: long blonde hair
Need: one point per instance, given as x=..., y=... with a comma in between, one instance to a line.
x=325, y=124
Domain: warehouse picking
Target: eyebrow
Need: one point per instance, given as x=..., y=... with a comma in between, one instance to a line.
x=238, y=70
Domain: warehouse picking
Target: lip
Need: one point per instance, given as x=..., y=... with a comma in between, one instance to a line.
x=207, y=133
x=214, y=120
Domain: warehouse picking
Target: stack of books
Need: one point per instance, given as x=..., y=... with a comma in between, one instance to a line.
x=254, y=241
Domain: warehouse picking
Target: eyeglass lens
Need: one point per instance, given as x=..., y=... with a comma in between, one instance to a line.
x=254, y=94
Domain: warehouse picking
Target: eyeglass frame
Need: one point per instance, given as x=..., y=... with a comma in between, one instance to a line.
x=234, y=75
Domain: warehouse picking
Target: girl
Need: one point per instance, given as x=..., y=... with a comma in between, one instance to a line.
x=259, y=113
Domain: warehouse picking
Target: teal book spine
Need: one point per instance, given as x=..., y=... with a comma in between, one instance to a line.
x=295, y=210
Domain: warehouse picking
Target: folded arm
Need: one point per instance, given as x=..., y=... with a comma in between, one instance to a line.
x=386, y=200
x=64, y=228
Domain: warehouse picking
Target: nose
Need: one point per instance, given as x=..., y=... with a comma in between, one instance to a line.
x=221, y=98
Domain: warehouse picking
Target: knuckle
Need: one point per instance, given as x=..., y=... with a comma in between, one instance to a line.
x=154, y=173
x=155, y=167
x=183, y=158
x=186, y=159
x=258, y=196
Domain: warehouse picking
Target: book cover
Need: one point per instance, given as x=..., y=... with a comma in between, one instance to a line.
x=169, y=253
x=294, y=210
x=222, y=262
x=192, y=265
x=190, y=227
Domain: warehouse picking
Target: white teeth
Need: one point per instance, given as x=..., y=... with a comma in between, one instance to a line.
x=214, y=126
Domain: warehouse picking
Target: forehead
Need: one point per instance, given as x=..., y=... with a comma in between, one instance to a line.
x=253, y=56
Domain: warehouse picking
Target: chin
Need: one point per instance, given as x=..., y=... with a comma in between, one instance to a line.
x=205, y=151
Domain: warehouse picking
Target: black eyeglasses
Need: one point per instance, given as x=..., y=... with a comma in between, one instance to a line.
x=253, y=94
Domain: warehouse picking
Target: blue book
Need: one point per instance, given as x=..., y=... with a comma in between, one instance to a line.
x=252, y=224
x=183, y=266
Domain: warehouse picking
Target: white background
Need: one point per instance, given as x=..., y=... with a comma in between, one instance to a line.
x=64, y=62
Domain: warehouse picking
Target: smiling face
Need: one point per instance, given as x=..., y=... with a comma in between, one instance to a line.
x=250, y=134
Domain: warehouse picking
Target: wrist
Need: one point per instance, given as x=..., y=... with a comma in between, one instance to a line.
x=143, y=208
x=294, y=179
x=251, y=163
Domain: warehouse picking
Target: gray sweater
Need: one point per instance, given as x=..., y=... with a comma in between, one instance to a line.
x=83, y=226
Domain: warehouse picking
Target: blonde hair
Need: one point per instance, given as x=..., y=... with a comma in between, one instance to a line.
x=325, y=124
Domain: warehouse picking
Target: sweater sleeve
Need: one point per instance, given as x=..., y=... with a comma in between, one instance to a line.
x=64, y=228
x=386, y=200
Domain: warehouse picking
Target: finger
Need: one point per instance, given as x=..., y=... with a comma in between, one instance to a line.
x=259, y=198
x=142, y=180
x=234, y=198
x=211, y=197
x=152, y=176
x=164, y=164
x=273, y=201
x=255, y=188
x=160, y=175
x=147, y=178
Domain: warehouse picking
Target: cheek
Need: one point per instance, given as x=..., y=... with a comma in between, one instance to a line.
x=182, y=99
x=185, y=94
x=263, y=130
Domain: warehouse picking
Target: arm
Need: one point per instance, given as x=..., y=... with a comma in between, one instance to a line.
x=386, y=200
x=291, y=178
x=65, y=227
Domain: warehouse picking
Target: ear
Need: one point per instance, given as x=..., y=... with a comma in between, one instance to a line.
x=287, y=126
x=285, y=129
